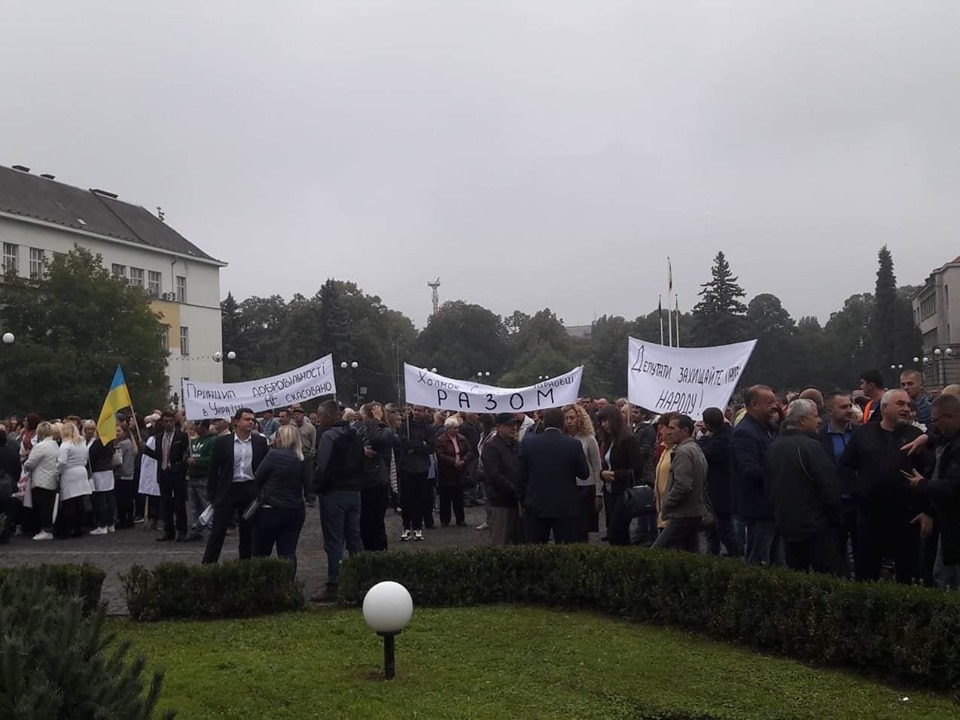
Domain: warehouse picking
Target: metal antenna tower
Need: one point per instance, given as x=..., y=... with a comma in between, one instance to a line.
x=435, y=286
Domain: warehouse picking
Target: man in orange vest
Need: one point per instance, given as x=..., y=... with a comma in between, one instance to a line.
x=871, y=383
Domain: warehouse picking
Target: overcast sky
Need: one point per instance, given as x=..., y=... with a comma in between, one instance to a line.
x=530, y=154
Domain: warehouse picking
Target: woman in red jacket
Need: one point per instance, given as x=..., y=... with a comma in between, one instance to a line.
x=454, y=454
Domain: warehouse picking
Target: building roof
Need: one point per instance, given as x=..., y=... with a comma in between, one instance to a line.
x=929, y=283
x=92, y=211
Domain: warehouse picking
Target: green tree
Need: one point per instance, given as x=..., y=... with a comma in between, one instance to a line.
x=461, y=340
x=72, y=329
x=774, y=358
x=848, y=341
x=542, y=346
x=884, y=325
x=719, y=317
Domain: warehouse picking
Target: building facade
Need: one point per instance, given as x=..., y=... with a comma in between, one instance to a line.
x=40, y=217
x=939, y=323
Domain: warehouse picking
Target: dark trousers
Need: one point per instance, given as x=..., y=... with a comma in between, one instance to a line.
x=680, y=534
x=43, y=501
x=173, y=498
x=415, y=494
x=538, y=529
x=586, y=512
x=819, y=552
x=70, y=518
x=451, y=497
x=429, y=503
x=105, y=508
x=887, y=532
x=618, y=519
x=239, y=496
x=126, y=507
x=340, y=523
x=280, y=527
x=723, y=531
x=373, y=507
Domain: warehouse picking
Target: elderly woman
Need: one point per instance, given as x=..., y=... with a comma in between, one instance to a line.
x=74, y=483
x=453, y=455
x=283, y=482
x=41, y=467
x=577, y=424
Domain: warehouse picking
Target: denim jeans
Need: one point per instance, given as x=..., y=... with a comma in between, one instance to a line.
x=197, y=500
x=763, y=543
x=280, y=526
x=340, y=520
x=947, y=577
x=724, y=531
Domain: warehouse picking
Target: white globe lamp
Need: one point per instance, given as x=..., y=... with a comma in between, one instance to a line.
x=231, y=355
x=217, y=356
x=8, y=338
x=387, y=608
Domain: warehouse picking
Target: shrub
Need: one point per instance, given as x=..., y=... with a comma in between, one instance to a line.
x=905, y=632
x=234, y=589
x=58, y=662
x=84, y=581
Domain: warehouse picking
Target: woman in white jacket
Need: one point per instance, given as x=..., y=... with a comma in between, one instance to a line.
x=74, y=481
x=41, y=466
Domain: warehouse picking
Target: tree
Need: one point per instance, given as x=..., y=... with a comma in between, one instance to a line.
x=883, y=337
x=461, y=340
x=719, y=317
x=542, y=346
x=72, y=330
x=848, y=341
x=774, y=358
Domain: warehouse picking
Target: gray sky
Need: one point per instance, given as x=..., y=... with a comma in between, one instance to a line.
x=531, y=154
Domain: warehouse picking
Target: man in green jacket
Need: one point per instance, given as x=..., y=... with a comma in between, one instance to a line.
x=198, y=467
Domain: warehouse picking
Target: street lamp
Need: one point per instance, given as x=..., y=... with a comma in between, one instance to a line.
x=543, y=377
x=218, y=356
x=387, y=608
x=354, y=365
x=8, y=338
x=482, y=375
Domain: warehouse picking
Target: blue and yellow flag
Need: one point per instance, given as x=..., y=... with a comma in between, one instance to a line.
x=117, y=399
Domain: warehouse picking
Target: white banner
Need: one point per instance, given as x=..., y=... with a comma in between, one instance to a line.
x=685, y=380
x=222, y=400
x=438, y=392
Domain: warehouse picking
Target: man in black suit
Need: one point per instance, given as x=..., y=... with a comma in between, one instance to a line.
x=230, y=486
x=170, y=453
x=550, y=464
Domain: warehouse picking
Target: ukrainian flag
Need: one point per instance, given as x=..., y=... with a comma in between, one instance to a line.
x=117, y=399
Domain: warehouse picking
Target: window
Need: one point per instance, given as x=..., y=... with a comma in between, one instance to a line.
x=165, y=338
x=11, y=259
x=184, y=340
x=136, y=277
x=928, y=306
x=930, y=340
x=38, y=261
x=119, y=270
x=154, y=279
x=181, y=289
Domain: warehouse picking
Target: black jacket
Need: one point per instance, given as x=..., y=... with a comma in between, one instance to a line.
x=501, y=470
x=716, y=448
x=101, y=456
x=378, y=436
x=220, y=476
x=340, y=460
x=550, y=464
x=417, y=441
x=179, y=447
x=872, y=463
x=647, y=437
x=282, y=480
x=802, y=483
x=626, y=461
x=749, y=442
x=943, y=491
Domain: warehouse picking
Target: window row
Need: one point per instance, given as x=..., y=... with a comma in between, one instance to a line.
x=184, y=339
x=11, y=261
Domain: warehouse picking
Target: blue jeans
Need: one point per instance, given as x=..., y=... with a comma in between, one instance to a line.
x=340, y=520
x=763, y=543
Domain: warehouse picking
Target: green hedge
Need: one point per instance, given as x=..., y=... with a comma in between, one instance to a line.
x=84, y=581
x=909, y=633
x=234, y=589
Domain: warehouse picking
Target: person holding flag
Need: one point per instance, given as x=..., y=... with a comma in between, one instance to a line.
x=101, y=455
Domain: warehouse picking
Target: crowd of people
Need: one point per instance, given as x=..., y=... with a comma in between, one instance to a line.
x=801, y=479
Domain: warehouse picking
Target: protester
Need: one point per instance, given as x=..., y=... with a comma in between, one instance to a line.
x=715, y=445
x=104, y=500
x=501, y=469
x=621, y=468
x=550, y=464
x=282, y=483
x=577, y=424
x=748, y=449
x=454, y=456
x=662, y=472
x=417, y=443
x=74, y=484
x=41, y=467
x=683, y=504
x=835, y=435
x=10, y=472
x=803, y=485
x=198, y=470
x=378, y=443
x=337, y=482
x=872, y=387
x=911, y=381
x=170, y=454
x=230, y=484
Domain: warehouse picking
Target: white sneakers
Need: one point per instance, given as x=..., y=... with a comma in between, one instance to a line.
x=418, y=535
x=483, y=526
x=405, y=535
x=99, y=531
x=43, y=535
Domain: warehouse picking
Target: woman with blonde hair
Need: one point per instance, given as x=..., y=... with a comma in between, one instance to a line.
x=74, y=482
x=41, y=467
x=577, y=424
x=282, y=483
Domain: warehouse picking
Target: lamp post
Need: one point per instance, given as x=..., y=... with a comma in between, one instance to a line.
x=354, y=385
x=482, y=375
x=387, y=608
x=8, y=338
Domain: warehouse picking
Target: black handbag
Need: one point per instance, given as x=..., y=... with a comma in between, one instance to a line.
x=639, y=500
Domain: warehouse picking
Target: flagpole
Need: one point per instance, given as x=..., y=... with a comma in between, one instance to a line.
x=669, y=309
x=677, y=301
x=660, y=315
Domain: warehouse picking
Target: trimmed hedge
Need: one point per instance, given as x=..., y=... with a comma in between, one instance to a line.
x=235, y=589
x=909, y=633
x=84, y=581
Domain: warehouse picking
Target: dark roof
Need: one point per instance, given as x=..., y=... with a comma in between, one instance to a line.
x=32, y=196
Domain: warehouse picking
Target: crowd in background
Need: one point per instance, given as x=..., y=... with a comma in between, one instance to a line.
x=857, y=484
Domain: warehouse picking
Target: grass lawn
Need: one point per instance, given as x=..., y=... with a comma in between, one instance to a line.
x=491, y=662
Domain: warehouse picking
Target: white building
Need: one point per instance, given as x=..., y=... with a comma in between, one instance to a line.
x=40, y=217
x=939, y=324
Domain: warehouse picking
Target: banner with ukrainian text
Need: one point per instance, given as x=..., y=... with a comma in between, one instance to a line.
x=438, y=392
x=222, y=400
x=681, y=379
